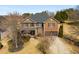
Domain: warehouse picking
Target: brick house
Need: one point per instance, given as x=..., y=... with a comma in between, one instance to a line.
x=47, y=28
x=51, y=27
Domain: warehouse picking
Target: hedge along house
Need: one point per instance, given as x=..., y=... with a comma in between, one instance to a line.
x=51, y=27
x=29, y=26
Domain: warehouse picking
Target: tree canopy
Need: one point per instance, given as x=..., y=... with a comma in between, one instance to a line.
x=61, y=16
x=26, y=15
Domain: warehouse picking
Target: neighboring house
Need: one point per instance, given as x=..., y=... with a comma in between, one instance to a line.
x=1, y=31
x=2, y=25
x=47, y=28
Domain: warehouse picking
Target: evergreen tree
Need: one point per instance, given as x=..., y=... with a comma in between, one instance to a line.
x=61, y=16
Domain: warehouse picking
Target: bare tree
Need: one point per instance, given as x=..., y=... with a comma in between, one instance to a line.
x=2, y=25
x=13, y=21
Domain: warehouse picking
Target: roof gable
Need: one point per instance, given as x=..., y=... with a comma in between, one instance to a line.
x=51, y=20
x=28, y=20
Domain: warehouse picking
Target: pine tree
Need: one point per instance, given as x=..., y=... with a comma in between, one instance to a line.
x=61, y=16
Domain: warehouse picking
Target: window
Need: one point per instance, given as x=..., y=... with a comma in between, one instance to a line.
x=51, y=25
x=38, y=24
x=32, y=24
x=26, y=25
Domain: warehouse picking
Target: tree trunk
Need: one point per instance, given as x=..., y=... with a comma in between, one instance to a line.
x=13, y=35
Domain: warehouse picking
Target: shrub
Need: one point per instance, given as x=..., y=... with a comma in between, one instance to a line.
x=12, y=46
x=1, y=45
x=61, y=31
x=76, y=43
x=43, y=46
x=39, y=35
x=26, y=38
